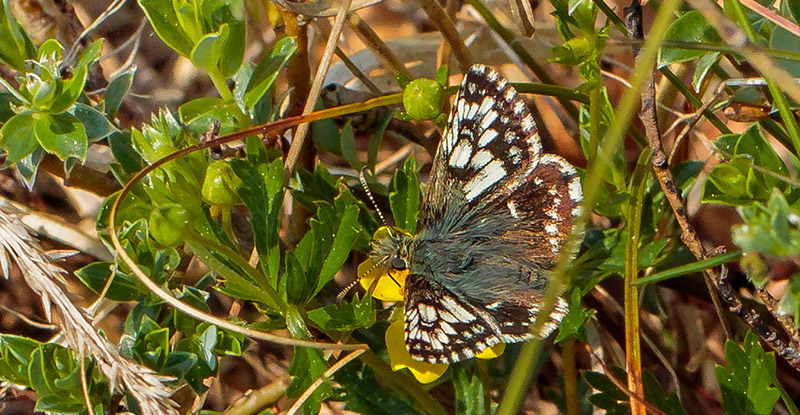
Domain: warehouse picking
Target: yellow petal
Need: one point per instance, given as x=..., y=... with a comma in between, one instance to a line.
x=492, y=352
x=389, y=288
x=400, y=358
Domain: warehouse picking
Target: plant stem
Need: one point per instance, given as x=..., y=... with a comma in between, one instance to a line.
x=633, y=352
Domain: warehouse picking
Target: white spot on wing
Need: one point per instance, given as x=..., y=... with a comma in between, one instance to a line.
x=528, y=123
x=427, y=313
x=487, y=137
x=486, y=105
x=440, y=334
x=551, y=228
x=473, y=109
x=510, y=136
x=555, y=245
x=575, y=191
x=488, y=119
x=460, y=313
x=460, y=155
x=481, y=159
x=510, y=94
x=447, y=328
x=488, y=176
x=519, y=107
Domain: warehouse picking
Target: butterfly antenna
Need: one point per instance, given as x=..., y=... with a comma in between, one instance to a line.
x=350, y=286
x=363, y=179
x=345, y=290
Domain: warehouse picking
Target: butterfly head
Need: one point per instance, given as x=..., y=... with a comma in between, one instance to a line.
x=390, y=248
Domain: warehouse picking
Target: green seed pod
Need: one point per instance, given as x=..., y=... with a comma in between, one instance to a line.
x=423, y=99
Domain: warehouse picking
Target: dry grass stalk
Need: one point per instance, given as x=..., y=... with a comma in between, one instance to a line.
x=43, y=277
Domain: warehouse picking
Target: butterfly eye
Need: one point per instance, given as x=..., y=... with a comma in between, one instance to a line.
x=399, y=264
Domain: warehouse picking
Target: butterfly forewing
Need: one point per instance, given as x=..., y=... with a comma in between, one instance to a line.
x=490, y=141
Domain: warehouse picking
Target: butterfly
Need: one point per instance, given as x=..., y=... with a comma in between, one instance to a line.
x=495, y=217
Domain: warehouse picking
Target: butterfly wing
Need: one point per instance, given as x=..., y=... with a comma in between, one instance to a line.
x=495, y=217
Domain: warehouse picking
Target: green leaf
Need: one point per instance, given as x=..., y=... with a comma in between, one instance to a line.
x=784, y=40
x=55, y=376
x=367, y=395
x=16, y=46
x=348, y=146
x=208, y=51
x=231, y=13
x=610, y=397
x=794, y=8
x=703, y=69
x=343, y=241
x=469, y=392
x=670, y=404
x=124, y=154
x=692, y=27
x=199, y=113
x=15, y=356
x=405, y=197
x=260, y=192
x=297, y=285
x=95, y=276
x=95, y=122
x=62, y=135
x=116, y=90
x=573, y=323
x=746, y=383
x=164, y=19
x=72, y=87
x=347, y=316
x=17, y=138
x=267, y=70
x=307, y=366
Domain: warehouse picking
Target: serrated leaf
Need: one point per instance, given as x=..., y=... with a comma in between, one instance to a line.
x=469, y=392
x=343, y=241
x=405, y=197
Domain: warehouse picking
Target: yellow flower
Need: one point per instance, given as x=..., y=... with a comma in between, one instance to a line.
x=390, y=288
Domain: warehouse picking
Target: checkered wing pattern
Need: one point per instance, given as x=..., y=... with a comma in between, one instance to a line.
x=495, y=216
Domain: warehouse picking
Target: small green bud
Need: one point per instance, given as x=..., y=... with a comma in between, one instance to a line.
x=168, y=224
x=423, y=99
x=221, y=185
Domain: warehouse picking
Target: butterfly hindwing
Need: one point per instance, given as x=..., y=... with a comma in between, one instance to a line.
x=440, y=327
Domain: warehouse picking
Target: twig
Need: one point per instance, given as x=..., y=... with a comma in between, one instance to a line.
x=376, y=45
x=664, y=175
x=787, y=351
x=257, y=401
x=619, y=384
x=317, y=383
x=85, y=387
x=316, y=88
x=445, y=25
x=357, y=72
